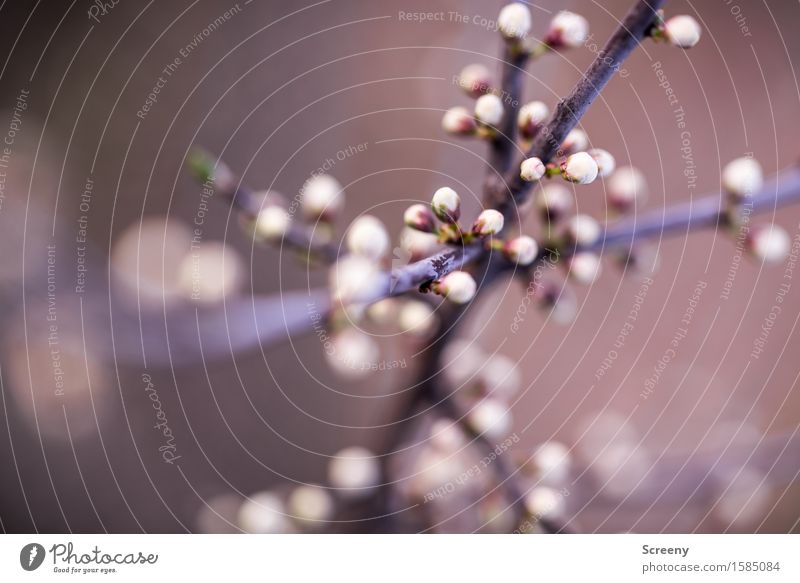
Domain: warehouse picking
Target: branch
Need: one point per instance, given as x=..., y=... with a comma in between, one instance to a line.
x=504, y=142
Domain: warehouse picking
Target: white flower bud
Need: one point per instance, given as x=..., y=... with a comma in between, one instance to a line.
x=584, y=267
x=544, y=502
x=489, y=222
x=322, y=198
x=420, y=217
x=552, y=462
x=368, y=238
x=567, y=30
x=311, y=505
x=415, y=245
x=583, y=230
x=475, y=80
x=742, y=177
x=532, y=169
x=458, y=287
x=272, y=223
x=501, y=378
x=263, y=513
x=352, y=353
x=459, y=121
x=446, y=204
x=355, y=471
x=383, y=312
x=769, y=243
x=489, y=109
x=210, y=273
x=355, y=278
x=605, y=161
x=553, y=200
x=580, y=168
x=417, y=318
x=626, y=187
x=514, y=21
x=532, y=116
x=576, y=141
x=491, y=418
x=683, y=31
x=522, y=250
x=446, y=436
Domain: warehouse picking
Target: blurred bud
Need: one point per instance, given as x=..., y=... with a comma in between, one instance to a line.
x=583, y=230
x=459, y=121
x=521, y=250
x=683, y=31
x=501, y=378
x=384, y=311
x=489, y=109
x=514, y=21
x=211, y=272
x=272, y=223
x=311, y=505
x=545, y=503
x=446, y=436
x=263, y=513
x=604, y=160
x=532, y=169
x=553, y=200
x=355, y=278
x=322, y=198
x=458, y=287
x=461, y=360
x=742, y=177
x=417, y=318
x=770, y=243
x=368, y=238
x=584, y=267
x=579, y=168
x=205, y=169
x=420, y=217
x=417, y=244
x=491, y=418
x=532, y=116
x=354, y=471
x=352, y=353
x=567, y=30
x=446, y=205
x=489, y=222
x=626, y=188
x=576, y=141
x=475, y=80
x=551, y=461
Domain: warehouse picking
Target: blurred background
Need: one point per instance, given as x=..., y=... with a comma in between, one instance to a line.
x=99, y=216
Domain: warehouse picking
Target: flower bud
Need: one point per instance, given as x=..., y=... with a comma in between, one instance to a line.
x=355, y=471
x=531, y=118
x=683, y=31
x=583, y=230
x=576, y=141
x=352, y=353
x=446, y=436
x=368, y=238
x=501, y=378
x=489, y=109
x=458, y=121
x=532, y=169
x=552, y=462
x=604, y=160
x=415, y=245
x=475, y=80
x=489, y=222
x=545, y=503
x=521, y=250
x=417, y=318
x=263, y=513
x=626, y=187
x=567, y=30
x=311, y=505
x=514, y=21
x=446, y=205
x=770, y=243
x=458, y=287
x=553, y=200
x=420, y=218
x=208, y=170
x=322, y=198
x=584, y=267
x=491, y=418
x=272, y=223
x=742, y=177
x=354, y=279
x=579, y=168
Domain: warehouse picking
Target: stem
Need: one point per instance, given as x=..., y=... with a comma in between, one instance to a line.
x=505, y=140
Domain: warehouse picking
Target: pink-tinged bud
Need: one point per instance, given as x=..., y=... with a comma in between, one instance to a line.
x=489, y=222
x=322, y=198
x=584, y=267
x=489, y=109
x=263, y=513
x=532, y=169
x=553, y=200
x=545, y=503
x=579, y=168
x=368, y=238
x=551, y=462
x=567, y=30
x=354, y=471
x=770, y=243
x=447, y=436
x=626, y=188
x=583, y=230
x=531, y=118
x=446, y=205
x=682, y=31
x=355, y=279
x=415, y=245
x=311, y=505
x=742, y=177
x=576, y=141
x=420, y=217
x=352, y=353
x=417, y=318
x=604, y=160
x=491, y=418
x=459, y=287
x=514, y=21
x=459, y=121
x=522, y=250
x=272, y=223
x=475, y=80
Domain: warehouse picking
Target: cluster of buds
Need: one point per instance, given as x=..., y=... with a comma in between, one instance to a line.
x=682, y=31
x=446, y=207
